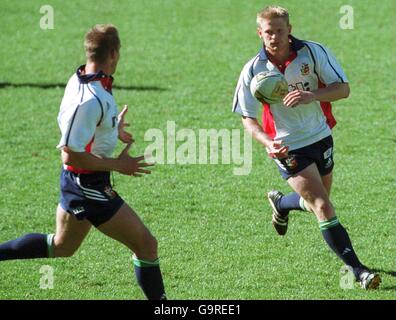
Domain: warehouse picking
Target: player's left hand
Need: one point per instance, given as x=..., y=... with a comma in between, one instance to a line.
x=297, y=97
x=277, y=150
x=124, y=136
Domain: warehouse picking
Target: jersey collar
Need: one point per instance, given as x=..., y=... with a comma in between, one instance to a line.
x=296, y=45
x=105, y=80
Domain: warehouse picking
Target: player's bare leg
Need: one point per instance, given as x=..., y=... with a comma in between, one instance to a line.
x=281, y=206
x=327, y=182
x=70, y=233
x=308, y=183
x=126, y=227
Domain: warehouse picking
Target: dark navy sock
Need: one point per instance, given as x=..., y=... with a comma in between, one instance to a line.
x=338, y=240
x=30, y=246
x=291, y=201
x=148, y=275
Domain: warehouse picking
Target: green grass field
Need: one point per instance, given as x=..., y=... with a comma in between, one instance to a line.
x=180, y=61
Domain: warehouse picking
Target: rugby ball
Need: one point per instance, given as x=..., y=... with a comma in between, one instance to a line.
x=269, y=86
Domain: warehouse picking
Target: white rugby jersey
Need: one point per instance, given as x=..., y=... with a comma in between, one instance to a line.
x=313, y=66
x=88, y=116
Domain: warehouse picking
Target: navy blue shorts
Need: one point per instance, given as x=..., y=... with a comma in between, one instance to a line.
x=89, y=196
x=320, y=153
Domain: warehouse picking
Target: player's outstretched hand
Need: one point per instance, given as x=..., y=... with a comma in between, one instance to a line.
x=297, y=97
x=277, y=150
x=123, y=135
x=132, y=166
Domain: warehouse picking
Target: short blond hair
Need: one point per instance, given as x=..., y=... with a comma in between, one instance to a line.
x=100, y=41
x=271, y=12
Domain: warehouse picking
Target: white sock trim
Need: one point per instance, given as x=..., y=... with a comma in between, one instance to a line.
x=50, y=245
x=302, y=204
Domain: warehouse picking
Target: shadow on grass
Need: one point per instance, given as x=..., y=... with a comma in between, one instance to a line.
x=390, y=273
x=389, y=288
x=62, y=85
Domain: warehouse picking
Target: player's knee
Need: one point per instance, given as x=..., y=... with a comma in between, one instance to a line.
x=152, y=245
x=62, y=249
x=148, y=249
x=322, y=207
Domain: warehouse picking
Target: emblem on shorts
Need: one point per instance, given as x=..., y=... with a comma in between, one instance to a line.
x=78, y=210
x=328, y=153
x=109, y=192
x=304, y=69
x=291, y=162
x=327, y=156
x=328, y=164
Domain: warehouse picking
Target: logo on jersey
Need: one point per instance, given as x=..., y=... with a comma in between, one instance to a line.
x=300, y=86
x=304, y=69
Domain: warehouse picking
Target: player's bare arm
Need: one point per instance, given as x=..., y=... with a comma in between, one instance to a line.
x=333, y=92
x=124, y=163
x=275, y=149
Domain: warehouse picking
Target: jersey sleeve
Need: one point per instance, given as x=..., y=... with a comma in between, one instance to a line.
x=244, y=102
x=329, y=70
x=78, y=128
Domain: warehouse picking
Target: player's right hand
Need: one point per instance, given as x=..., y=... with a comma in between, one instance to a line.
x=132, y=166
x=277, y=150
